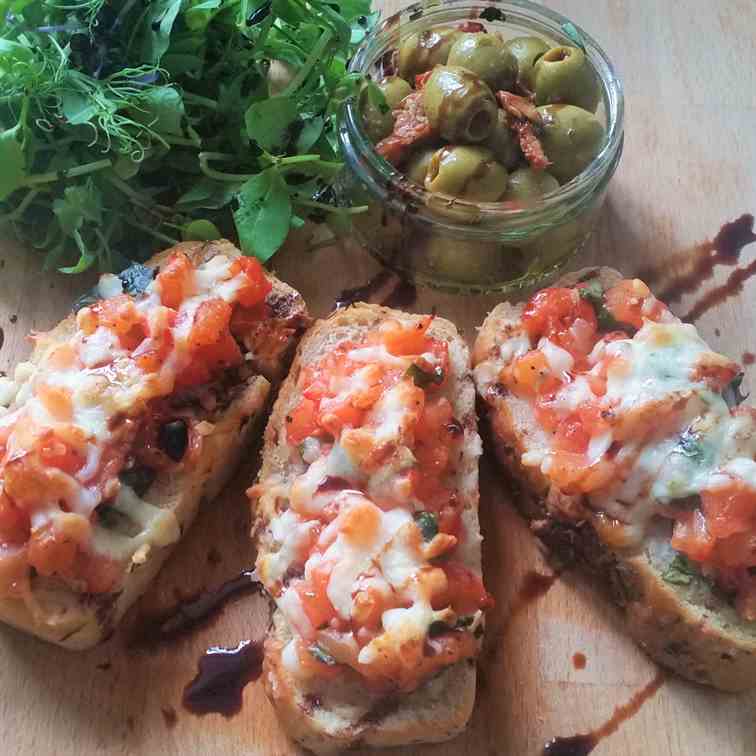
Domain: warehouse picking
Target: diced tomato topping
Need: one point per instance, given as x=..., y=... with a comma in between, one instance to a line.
x=176, y=280
x=211, y=321
x=465, y=593
x=55, y=453
x=14, y=523
x=729, y=510
x=315, y=602
x=51, y=553
x=403, y=340
x=626, y=301
x=530, y=375
x=302, y=422
x=120, y=315
x=422, y=79
x=692, y=537
x=257, y=284
x=57, y=401
x=335, y=415
x=561, y=316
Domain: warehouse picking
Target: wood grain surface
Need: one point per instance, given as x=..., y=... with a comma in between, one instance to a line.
x=690, y=152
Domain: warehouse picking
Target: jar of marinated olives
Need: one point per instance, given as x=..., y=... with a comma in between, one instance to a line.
x=481, y=143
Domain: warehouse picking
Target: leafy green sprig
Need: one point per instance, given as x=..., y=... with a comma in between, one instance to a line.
x=125, y=125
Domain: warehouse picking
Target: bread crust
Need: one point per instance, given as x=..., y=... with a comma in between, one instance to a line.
x=79, y=621
x=346, y=715
x=690, y=629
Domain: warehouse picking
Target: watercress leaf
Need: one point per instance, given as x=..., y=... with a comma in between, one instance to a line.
x=263, y=218
x=309, y=134
x=200, y=230
x=12, y=160
x=209, y=194
x=268, y=122
x=79, y=203
x=297, y=222
x=158, y=23
x=200, y=13
x=161, y=109
x=593, y=292
x=77, y=106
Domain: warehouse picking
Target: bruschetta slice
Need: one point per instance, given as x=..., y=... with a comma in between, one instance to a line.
x=367, y=524
x=636, y=457
x=130, y=413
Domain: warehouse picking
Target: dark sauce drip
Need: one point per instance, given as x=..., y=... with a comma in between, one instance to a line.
x=222, y=675
x=169, y=716
x=731, y=287
x=193, y=612
x=579, y=661
x=582, y=745
x=724, y=249
x=384, y=287
x=748, y=358
x=2, y=338
x=533, y=586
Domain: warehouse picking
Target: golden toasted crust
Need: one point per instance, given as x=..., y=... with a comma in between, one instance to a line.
x=80, y=621
x=689, y=629
x=344, y=714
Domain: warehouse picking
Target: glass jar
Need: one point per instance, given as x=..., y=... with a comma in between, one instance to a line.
x=464, y=246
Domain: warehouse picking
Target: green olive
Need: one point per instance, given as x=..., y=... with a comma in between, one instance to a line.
x=394, y=89
x=486, y=56
x=459, y=106
x=417, y=167
x=502, y=141
x=564, y=75
x=377, y=118
x=421, y=51
x=470, y=173
x=464, y=261
x=526, y=50
x=571, y=138
x=525, y=185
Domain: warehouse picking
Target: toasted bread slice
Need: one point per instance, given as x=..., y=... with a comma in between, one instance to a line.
x=686, y=625
x=57, y=613
x=339, y=714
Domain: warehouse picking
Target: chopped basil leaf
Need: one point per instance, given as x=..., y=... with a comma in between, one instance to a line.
x=691, y=445
x=732, y=393
x=426, y=521
x=322, y=655
x=439, y=628
x=593, y=293
x=680, y=571
x=423, y=377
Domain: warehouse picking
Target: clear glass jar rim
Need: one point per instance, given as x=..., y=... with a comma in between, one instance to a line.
x=388, y=182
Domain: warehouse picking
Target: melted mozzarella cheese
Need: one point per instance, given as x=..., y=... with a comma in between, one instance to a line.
x=560, y=361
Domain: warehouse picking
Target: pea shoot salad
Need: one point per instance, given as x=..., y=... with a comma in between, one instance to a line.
x=128, y=125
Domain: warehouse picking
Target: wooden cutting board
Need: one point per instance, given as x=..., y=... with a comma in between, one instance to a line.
x=690, y=149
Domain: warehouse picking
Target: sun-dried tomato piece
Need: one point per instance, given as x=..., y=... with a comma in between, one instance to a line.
x=411, y=127
x=530, y=145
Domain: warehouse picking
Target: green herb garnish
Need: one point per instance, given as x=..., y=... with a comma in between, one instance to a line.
x=127, y=126
x=593, y=293
x=680, y=571
x=732, y=393
x=321, y=655
x=428, y=524
x=424, y=378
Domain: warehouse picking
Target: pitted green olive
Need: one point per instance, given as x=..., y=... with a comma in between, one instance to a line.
x=564, y=75
x=486, y=56
x=459, y=106
x=394, y=89
x=377, y=118
x=417, y=168
x=526, y=184
x=421, y=51
x=571, y=138
x=470, y=173
x=526, y=50
x=464, y=261
x=503, y=142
